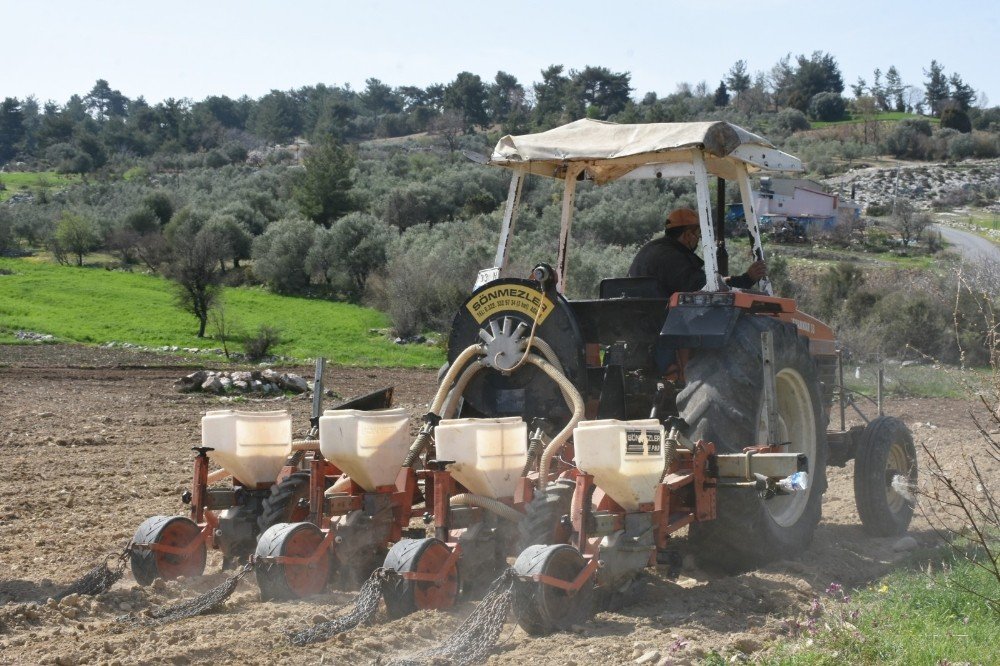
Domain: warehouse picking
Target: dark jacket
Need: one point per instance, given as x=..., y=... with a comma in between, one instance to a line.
x=675, y=267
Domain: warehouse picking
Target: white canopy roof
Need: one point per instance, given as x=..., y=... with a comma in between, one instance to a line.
x=612, y=150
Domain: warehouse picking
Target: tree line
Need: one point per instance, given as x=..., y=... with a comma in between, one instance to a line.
x=201, y=193
x=87, y=131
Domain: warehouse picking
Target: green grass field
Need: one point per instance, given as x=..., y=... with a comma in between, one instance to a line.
x=19, y=181
x=890, y=116
x=909, y=617
x=93, y=305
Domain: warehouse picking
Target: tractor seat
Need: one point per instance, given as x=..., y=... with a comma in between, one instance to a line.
x=630, y=287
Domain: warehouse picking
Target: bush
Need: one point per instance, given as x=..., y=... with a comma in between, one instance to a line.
x=836, y=285
x=160, y=203
x=430, y=271
x=216, y=159
x=7, y=241
x=956, y=119
x=876, y=209
x=918, y=321
x=788, y=121
x=235, y=151
x=142, y=220
x=827, y=106
x=908, y=139
x=985, y=145
x=258, y=346
x=961, y=147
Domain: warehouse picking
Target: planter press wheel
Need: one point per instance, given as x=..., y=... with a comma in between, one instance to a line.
x=541, y=609
x=283, y=580
x=886, y=452
x=420, y=556
x=173, y=531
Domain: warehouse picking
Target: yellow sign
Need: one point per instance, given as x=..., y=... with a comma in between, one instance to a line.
x=505, y=297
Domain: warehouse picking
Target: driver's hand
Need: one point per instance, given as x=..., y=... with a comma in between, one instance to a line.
x=757, y=270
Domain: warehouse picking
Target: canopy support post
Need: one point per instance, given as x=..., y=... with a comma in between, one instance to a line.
x=568, y=204
x=708, y=243
x=507, y=226
x=753, y=224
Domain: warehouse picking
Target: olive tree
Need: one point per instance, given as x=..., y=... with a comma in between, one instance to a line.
x=193, y=265
x=231, y=238
x=75, y=235
x=349, y=251
x=279, y=255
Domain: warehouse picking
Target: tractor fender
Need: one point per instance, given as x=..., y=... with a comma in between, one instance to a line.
x=698, y=326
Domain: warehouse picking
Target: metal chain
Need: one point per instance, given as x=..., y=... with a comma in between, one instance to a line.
x=100, y=578
x=365, y=607
x=200, y=605
x=474, y=639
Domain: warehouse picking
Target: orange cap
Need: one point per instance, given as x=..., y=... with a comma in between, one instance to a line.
x=682, y=217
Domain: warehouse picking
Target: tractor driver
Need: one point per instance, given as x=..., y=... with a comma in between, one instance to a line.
x=672, y=261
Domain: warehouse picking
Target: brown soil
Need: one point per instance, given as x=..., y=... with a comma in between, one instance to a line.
x=94, y=441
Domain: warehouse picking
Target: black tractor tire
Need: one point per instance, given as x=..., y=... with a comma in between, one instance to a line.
x=541, y=609
x=176, y=531
x=722, y=402
x=886, y=450
x=282, y=505
x=542, y=522
x=405, y=596
x=281, y=581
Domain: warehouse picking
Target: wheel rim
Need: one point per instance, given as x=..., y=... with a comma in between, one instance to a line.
x=896, y=464
x=304, y=579
x=179, y=534
x=428, y=595
x=796, y=424
x=556, y=604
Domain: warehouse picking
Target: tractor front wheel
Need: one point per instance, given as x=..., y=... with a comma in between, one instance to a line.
x=423, y=556
x=285, y=503
x=175, y=532
x=288, y=580
x=540, y=608
x=543, y=518
x=723, y=402
x=885, y=469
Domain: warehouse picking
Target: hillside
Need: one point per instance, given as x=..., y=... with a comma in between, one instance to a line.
x=928, y=185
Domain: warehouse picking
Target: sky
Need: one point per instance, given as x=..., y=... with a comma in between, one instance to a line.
x=183, y=49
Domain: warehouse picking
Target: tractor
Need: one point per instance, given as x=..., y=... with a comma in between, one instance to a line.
x=706, y=410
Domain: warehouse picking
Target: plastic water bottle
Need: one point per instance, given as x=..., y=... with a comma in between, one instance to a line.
x=795, y=482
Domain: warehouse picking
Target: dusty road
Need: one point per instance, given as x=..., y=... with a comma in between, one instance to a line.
x=971, y=247
x=94, y=441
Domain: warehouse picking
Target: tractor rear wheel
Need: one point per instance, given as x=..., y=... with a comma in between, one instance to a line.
x=283, y=504
x=723, y=402
x=541, y=609
x=542, y=522
x=886, y=452
x=420, y=556
x=284, y=580
x=172, y=531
